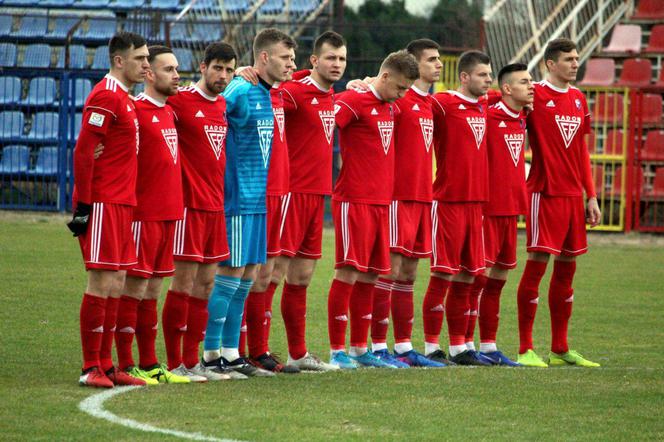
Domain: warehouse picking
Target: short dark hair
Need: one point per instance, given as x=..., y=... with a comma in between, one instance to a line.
x=156, y=50
x=123, y=41
x=270, y=36
x=416, y=47
x=555, y=47
x=330, y=37
x=403, y=63
x=219, y=51
x=469, y=59
x=508, y=69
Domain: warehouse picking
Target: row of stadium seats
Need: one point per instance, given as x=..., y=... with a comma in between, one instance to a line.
x=612, y=144
x=16, y=160
x=609, y=108
x=636, y=73
x=648, y=10
x=44, y=126
x=608, y=181
x=41, y=91
x=627, y=40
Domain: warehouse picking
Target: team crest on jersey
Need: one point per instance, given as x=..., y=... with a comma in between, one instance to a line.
x=337, y=108
x=477, y=125
x=578, y=103
x=279, y=116
x=327, y=118
x=568, y=126
x=514, y=145
x=216, y=136
x=265, y=130
x=171, y=137
x=426, y=124
x=386, y=128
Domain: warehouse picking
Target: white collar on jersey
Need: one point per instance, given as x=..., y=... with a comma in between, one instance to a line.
x=555, y=88
x=276, y=85
x=419, y=91
x=375, y=92
x=121, y=84
x=144, y=96
x=203, y=94
x=506, y=109
x=463, y=97
x=315, y=83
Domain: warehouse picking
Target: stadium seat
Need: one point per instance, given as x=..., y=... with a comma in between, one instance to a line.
x=44, y=127
x=10, y=90
x=82, y=88
x=78, y=120
x=7, y=55
x=652, y=109
x=127, y=4
x=613, y=142
x=15, y=159
x=303, y=7
x=598, y=178
x=36, y=56
x=180, y=33
x=616, y=181
x=92, y=3
x=78, y=57
x=99, y=29
x=185, y=59
x=608, y=108
x=61, y=27
x=591, y=141
x=58, y=3
x=145, y=27
x=656, y=41
x=653, y=148
x=41, y=92
x=47, y=161
x=649, y=10
x=658, y=183
x=32, y=26
x=6, y=22
x=599, y=72
x=208, y=32
x=236, y=6
x=272, y=7
x=11, y=124
x=164, y=4
x=660, y=81
x=625, y=38
x=101, y=60
x=636, y=72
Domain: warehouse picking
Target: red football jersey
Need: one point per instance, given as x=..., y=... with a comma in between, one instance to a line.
x=110, y=113
x=556, y=128
x=159, y=182
x=506, y=136
x=366, y=125
x=310, y=127
x=460, y=145
x=413, y=137
x=201, y=124
x=277, y=176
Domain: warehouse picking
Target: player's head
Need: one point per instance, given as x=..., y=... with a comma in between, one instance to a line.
x=516, y=83
x=217, y=67
x=397, y=74
x=128, y=53
x=163, y=74
x=427, y=54
x=475, y=73
x=329, y=56
x=562, y=59
x=274, y=54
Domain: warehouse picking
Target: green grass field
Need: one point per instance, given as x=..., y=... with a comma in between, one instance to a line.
x=619, y=302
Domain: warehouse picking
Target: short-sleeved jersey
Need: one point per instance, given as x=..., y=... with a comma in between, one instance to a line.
x=109, y=112
x=278, y=174
x=310, y=128
x=366, y=126
x=506, y=139
x=249, y=145
x=556, y=128
x=159, y=181
x=460, y=147
x=201, y=124
x=413, y=139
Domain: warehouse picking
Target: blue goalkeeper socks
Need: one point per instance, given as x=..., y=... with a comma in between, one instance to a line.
x=230, y=336
x=224, y=290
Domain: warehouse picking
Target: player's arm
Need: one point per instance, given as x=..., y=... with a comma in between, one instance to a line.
x=593, y=213
x=249, y=73
x=345, y=112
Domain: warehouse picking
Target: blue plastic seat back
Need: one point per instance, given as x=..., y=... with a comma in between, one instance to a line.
x=78, y=57
x=12, y=124
x=47, y=161
x=15, y=159
x=8, y=53
x=10, y=90
x=41, y=91
x=37, y=56
x=101, y=60
x=44, y=126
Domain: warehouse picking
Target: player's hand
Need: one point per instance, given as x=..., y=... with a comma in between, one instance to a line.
x=593, y=214
x=79, y=222
x=99, y=150
x=359, y=85
x=248, y=73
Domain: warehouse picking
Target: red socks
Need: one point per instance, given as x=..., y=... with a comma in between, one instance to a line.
x=490, y=310
x=476, y=291
x=457, y=306
x=125, y=330
x=196, y=323
x=380, y=313
x=269, y=295
x=361, y=304
x=174, y=324
x=93, y=312
x=433, y=308
x=402, y=310
x=337, y=313
x=527, y=299
x=110, y=319
x=255, y=314
x=561, y=298
x=146, y=332
x=294, y=312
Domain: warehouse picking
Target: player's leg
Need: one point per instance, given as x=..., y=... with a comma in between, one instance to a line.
x=380, y=313
x=176, y=309
x=476, y=292
x=278, y=274
x=197, y=313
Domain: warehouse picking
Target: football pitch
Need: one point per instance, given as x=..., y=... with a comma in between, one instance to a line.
x=618, y=309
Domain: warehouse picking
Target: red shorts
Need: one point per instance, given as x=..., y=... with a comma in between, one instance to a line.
x=500, y=241
x=108, y=243
x=556, y=225
x=200, y=236
x=154, y=249
x=275, y=223
x=410, y=229
x=457, y=238
x=302, y=234
x=361, y=233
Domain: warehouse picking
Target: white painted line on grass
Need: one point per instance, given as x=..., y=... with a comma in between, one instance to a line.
x=94, y=406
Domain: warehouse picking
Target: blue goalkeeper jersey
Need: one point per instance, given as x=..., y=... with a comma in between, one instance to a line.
x=248, y=146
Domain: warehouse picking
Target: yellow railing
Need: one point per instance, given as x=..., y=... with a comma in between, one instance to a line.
x=448, y=77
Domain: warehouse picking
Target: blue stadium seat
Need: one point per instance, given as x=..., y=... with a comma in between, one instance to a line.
x=145, y=27
x=272, y=7
x=6, y=25
x=185, y=59
x=10, y=90
x=47, y=161
x=127, y=4
x=78, y=120
x=164, y=4
x=56, y=3
x=208, y=32
x=8, y=55
x=99, y=29
x=78, y=57
x=101, y=60
x=302, y=7
x=82, y=88
x=41, y=92
x=206, y=5
x=62, y=25
x=44, y=126
x=180, y=33
x=92, y=3
x=37, y=56
x=15, y=159
x=11, y=124
x=32, y=26
x=236, y=6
